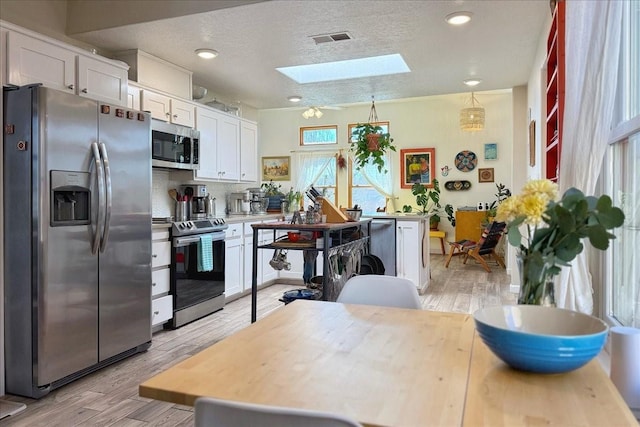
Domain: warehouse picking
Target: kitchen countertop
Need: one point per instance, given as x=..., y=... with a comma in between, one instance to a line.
x=399, y=216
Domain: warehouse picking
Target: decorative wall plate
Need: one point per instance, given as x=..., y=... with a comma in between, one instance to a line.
x=466, y=161
x=457, y=185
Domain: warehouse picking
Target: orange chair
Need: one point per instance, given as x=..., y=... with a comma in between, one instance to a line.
x=486, y=246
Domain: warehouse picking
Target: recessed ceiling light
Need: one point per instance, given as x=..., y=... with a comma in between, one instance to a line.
x=458, y=18
x=472, y=82
x=206, y=53
x=295, y=98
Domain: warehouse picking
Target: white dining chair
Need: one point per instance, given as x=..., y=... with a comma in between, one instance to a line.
x=372, y=289
x=210, y=412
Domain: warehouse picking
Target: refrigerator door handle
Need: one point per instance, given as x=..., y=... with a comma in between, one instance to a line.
x=108, y=204
x=100, y=182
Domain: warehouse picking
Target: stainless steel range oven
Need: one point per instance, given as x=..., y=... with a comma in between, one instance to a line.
x=197, y=269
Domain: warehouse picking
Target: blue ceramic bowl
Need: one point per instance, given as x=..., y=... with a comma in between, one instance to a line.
x=541, y=339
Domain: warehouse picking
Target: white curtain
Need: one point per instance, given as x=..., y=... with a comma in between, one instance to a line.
x=310, y=167
x=381, y=181
x=592, y=45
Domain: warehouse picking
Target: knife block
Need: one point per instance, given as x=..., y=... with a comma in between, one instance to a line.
x=333, y=214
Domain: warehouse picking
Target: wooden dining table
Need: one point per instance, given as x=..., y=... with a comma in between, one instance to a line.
x=386, y=367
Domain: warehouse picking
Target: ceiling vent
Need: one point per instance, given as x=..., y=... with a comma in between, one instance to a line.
x=327, y=38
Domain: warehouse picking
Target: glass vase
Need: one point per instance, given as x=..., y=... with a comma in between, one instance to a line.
x=536, y=286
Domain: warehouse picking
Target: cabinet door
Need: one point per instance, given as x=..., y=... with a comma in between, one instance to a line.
x=248, y=261
x=182, y=113
x=133, y=97
x=248, y=152
x=268, y=272
x=158, y=105
x=228, y=148
x=102, y=81
x=233, y=267
x=31, y=60
x=408, y=250
x=207, y=123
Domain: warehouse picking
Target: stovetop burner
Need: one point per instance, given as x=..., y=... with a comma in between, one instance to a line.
x=198, y=226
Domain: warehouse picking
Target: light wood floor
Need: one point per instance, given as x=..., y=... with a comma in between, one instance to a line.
x=109, y=397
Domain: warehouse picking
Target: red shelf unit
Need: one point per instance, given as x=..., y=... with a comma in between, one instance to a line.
x=555, y=93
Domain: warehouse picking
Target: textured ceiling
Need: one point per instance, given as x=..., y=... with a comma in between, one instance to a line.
x=498, y=46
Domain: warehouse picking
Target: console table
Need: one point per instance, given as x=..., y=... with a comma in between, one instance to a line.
x=341, y=238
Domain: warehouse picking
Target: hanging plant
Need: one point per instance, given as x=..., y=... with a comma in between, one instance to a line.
x=371, y=142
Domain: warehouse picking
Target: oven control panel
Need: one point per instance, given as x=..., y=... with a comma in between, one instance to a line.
x=197, y=226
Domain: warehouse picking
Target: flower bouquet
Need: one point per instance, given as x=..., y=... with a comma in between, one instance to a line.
x=555, y=230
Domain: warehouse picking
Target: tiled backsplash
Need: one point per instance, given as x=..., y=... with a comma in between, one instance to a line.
x=163, y=206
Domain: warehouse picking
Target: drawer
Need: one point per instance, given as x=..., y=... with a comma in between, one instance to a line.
x=159, y=282
x=234, y=230
x=161, y=310
x=160, y=254
x=160, y=235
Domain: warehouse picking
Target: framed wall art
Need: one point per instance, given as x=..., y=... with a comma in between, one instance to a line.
x=276, y=168
x=417, y=165
x=485, y=175
x=491, y=151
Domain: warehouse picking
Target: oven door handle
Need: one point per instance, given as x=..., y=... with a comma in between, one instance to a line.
x=185, y=241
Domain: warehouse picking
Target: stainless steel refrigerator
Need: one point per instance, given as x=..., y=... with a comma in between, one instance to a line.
x=77, y=221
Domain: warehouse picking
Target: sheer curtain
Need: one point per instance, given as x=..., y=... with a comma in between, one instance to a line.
x=591, y=60
x=310, y=166
x=381, y=181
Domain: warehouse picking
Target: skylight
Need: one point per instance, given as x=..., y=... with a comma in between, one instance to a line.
x=348, y=69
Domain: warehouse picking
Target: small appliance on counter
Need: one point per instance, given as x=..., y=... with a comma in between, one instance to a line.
x=259, y=201
x=196, y=195
x=238, y=203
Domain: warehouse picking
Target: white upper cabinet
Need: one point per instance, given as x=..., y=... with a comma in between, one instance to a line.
x=167, y=109
x=207, y=124
x=248, y=151
x=102, y=81
x=182, y=113
x=133, y=97
x=34, y=60
x=229, y=148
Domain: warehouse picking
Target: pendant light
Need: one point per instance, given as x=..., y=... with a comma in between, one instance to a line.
x=472, y=118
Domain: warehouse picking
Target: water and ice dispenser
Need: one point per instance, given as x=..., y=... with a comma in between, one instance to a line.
x=70, y=198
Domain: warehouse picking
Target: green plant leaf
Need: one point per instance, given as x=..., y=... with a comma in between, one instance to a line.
x=598, y=237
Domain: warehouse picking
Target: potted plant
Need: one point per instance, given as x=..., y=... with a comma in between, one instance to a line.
x=293, y=198
x=275, y=195
x=370, y=145
x=429, y=201
x=490, y=214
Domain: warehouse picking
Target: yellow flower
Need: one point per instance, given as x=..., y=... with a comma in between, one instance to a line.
x=509, y=209
x=542, y=187
x=533, y=206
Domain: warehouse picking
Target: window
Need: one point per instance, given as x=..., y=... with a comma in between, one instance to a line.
x=622, y=294
x=362, y=193
x=327, y=183
x=319, y=135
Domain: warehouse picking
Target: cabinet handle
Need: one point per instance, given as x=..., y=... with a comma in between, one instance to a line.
x=167, y=114
x=70, y=87
x=154, y=256
x=155, y=313
x=175, y=116
x=153, y=284
x=84, y=91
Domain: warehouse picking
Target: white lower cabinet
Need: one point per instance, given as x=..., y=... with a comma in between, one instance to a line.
x=161, y=310
x=234, y=260
x=161, y=300
x=412, y=252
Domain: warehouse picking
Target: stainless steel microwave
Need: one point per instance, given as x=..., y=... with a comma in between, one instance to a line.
x=174, y=146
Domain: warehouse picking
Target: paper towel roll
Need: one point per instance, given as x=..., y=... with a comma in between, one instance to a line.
x=625, y=364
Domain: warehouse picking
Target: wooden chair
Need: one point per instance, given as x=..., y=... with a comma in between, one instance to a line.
x=486, y=246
